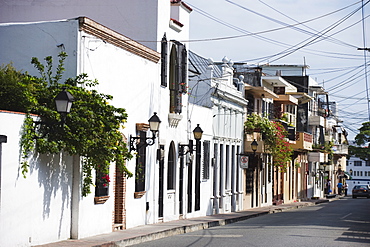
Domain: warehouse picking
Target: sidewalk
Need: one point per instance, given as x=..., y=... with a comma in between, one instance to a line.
x=145, y=233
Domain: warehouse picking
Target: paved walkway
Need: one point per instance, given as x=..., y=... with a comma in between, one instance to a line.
x=145, y=233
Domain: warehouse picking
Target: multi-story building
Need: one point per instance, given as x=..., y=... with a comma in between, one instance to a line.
x=217, y=100
x=274, y=99
x=318, y=124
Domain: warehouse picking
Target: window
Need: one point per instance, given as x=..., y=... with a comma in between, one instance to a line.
x=367, y=163
x=171, y=170
x=102, y=184
x=140, y=167
x=164, y=47
x=206, y=159
x=227, y=168
x=360, y=173
x=358, y=163
x=177, y=76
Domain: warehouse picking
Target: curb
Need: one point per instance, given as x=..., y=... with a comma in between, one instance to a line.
x=204, y=225
x=179, y=230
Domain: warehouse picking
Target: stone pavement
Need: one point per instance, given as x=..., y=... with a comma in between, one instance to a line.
x=145, y=233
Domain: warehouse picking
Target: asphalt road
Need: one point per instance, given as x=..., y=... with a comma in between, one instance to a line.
x=344, y=222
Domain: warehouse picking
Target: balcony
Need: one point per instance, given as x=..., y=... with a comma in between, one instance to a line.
x=317, y=157
x=340, y=149
x=286, y=99
x=303, y=141
x=316, y=121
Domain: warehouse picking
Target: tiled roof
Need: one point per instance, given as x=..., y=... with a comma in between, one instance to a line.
x=198, y=66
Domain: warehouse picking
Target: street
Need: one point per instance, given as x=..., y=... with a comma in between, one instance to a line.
x=344, y=222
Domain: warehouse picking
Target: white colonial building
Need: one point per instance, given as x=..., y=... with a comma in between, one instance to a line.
x=145, y=76
x=220, y=98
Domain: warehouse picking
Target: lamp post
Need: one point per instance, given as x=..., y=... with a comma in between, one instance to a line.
x=198, y=132
x=154, y=123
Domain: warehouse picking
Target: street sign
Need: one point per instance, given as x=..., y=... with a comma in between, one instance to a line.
x=244, y=160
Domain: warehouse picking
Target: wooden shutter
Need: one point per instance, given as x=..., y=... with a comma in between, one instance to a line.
x=164, y=48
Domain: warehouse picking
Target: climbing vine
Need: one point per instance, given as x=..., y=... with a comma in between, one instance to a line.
x=91, y=130
x=274, y=136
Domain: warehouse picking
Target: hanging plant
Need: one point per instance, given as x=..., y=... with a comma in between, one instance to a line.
x=257, y=123
x=91, y=129
x=274, y=137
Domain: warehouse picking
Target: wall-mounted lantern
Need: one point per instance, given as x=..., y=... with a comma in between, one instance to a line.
x=154, y=123
x=197, y=133
x=254, y=146
x=323, y=166
x=63, y=103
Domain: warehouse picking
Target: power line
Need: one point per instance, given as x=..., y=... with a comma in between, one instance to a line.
x=365, y=62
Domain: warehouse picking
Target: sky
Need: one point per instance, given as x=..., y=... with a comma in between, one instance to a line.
x=324, y=35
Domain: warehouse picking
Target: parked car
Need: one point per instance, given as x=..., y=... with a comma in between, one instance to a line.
x=361, y=190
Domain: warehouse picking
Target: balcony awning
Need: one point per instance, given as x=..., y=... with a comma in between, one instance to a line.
x=287, y=99
x=302, y=97
x=347, y=175
x=267, y=93
x=278, y=81
x=318, y=89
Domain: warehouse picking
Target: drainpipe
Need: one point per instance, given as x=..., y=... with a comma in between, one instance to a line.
x=3, y=139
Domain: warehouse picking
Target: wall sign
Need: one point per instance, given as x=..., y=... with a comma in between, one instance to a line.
x=244, y=161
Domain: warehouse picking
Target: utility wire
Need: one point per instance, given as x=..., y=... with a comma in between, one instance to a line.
x=261, y=32
x=365, y=60
x=320, y=35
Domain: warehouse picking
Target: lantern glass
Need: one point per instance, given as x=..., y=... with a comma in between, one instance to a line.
x=197, y=132
x=254, y=145
x=63, y=101
x=154, y=122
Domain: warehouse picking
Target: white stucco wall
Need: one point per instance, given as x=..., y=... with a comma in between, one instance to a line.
x=134, y=84
x=35, y=210
x=204, y=117
x=133, y=81
x=22, y=41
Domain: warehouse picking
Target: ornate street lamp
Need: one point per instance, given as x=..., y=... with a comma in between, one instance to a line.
x=154, y=123
x=197, y=133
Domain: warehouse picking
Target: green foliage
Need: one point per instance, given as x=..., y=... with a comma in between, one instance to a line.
x=91, y=129
x=362, y=139
x=327, y=147
x=16, y=90
x=256, y=122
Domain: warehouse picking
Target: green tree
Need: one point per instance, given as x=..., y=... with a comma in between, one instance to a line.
x=362, y=139
x=16, y=90
x=91, y=130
